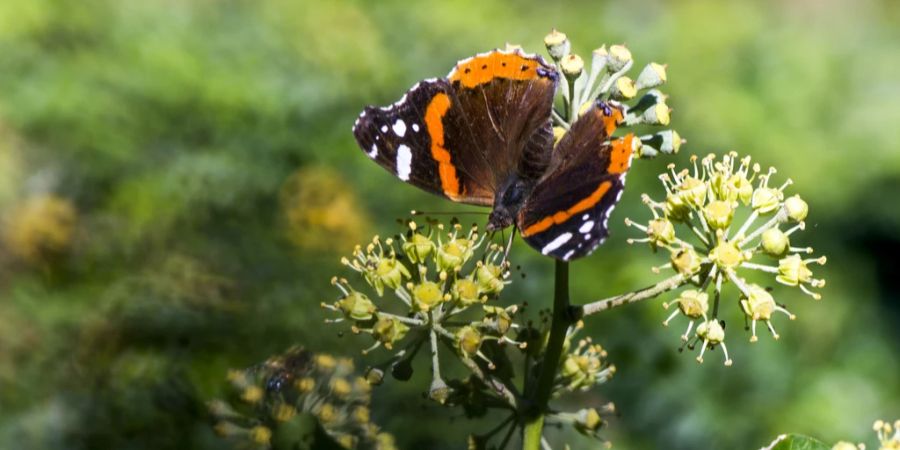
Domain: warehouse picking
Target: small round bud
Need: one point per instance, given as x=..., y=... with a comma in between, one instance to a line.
x=357, y=306
x=796, y=208
x=261, y=434
x=427, y=295
x=490, y=278
x=726, y=255
x=651, y=76
x=624, y=88
x=557, y=44
x=388, y=330
x=693, y=190
x=793, y=271
x=599, y=59
x=766, y=200
x=468, y=340
x=757, y=303
x=686, y=261
x=374, y=376
x=693, y=304
x=588, y=421
x=619, y=56
x=775, y=242
x=718, y=214
x=712, y=331
x=657, y=114
x=660, y=232
x=418, y=247
x=572, y=65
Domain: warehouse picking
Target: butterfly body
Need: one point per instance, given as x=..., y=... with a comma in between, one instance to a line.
x=483, y=136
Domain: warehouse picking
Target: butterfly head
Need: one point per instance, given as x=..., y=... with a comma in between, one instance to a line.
x=508, y=201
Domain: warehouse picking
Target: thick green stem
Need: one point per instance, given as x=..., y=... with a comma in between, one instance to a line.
x=562, y=318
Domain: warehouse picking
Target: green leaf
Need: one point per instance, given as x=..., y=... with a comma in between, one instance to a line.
x=796, y=442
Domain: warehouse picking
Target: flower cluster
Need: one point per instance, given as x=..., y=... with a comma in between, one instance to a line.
x=275, y=404
x=584, y=366
x=735, y=221
x=440, y=282
x=607, y=79
x=888, y=437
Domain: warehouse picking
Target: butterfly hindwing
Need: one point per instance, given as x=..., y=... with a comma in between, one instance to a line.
x=567, y=212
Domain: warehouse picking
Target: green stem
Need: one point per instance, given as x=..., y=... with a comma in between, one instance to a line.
x=562, y=318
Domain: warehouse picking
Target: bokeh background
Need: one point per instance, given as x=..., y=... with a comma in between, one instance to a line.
x=178, y=180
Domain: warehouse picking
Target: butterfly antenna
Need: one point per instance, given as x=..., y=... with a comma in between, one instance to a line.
x=512, y=234
x=416, y=212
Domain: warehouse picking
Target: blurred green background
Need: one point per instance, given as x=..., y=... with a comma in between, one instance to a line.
x=178, y=180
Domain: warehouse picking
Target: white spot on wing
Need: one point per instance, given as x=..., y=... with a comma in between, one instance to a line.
x=399, y=127
x=586, y=227
x=586, y=217
x=372, y=154
x=569, y=254
x=404, y=162
x=556, y=243
x=384, y=128
x=415, y=127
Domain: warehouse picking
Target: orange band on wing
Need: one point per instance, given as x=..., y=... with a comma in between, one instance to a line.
x=611, y=122
x=562, y=216
x=483, y=69
x=620, y=155
x=434, y=116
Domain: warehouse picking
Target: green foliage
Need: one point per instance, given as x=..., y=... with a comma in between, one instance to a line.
x=798, y=442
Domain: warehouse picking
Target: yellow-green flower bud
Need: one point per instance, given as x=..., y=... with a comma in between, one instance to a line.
x=792, y=271
x=844, y=445
x=357, y=306
x=389, y=330
x=693, y=304
x=796, y=208
x=775, y=242
x=389, y=272
x=660, y=232
x=624, y=88
x=466, y=292
x=766, y=200
x=588, y=421
x=657, y=114
x=757, y=303
x=453, y=254
x=651, y=76
x=712, y=331
x=686, y=261
x=261, y=434
x=718, y=214
x=498, y=318
x=427, y=295
x=557, y=44
x=374, y=376
x=727, y=255
x=693, y=191
x=572, y=65
x=619, y=56
x=418, y=248
x=490, y=278
x=468, y=340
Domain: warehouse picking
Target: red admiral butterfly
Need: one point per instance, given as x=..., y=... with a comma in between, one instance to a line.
x=483, y=136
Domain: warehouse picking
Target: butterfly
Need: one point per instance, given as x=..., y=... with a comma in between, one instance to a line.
x=483, y=135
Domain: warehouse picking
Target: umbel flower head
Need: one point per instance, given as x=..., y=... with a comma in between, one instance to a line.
x=274, y=400
x=720, y=222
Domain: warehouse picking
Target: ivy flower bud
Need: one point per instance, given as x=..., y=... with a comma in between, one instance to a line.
x=374, y=376
x=793, y=271
x=490, y=278
x=766, y=200
x=693, y=304
x=418, y=248
x=599, y=59
x=427, y=295
x=466, y=292
x=498, y=319
x=657, y=114
x=844, y=445
x=588, y=421
x=757, y=303
x=775, y=242
x=453, y=254
x=558, y=44
x=796, y=208
x=660, y=232
x=686, y=261
x=651, y=76
x=619, y=56
x=624, y=89
x=468, y=341
x=727, y=255
x=712, y=333
x=693, y=190
x=718, y=214
x=261, y=434
x=389, y=272
x=388, y=331
x=572, y=65
x=357, y=306
x=676, y=207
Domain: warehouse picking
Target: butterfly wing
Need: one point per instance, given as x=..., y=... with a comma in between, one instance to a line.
x=460, y=136
x=566, y=214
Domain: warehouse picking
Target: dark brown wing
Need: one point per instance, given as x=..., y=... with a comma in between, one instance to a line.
x=460, y=137
x=566, y=214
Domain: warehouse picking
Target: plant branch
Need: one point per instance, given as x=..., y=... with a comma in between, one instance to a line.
x=562, y=318
x=632, y=297
x=498, y=386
